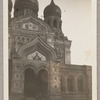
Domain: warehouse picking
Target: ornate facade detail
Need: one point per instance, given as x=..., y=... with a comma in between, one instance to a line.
x=40, y=57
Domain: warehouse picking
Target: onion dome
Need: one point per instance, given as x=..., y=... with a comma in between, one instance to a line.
x=52, y=10
x=31, y=1
x=27, y=4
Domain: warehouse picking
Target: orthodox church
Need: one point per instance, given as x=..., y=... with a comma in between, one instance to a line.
x=40, y=57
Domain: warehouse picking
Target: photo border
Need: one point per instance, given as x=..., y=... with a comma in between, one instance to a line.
x=1, y=49
x=3, y=13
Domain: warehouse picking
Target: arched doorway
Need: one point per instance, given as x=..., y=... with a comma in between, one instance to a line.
x=42, y=80
x=30, y=89
x=36, y=86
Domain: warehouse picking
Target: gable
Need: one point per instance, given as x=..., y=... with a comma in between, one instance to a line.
x=37, y=45
x=30, y=24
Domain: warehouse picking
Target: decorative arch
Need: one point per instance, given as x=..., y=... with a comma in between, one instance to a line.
x=71, y=83
x=29, y=66
x=36, y=20
x=37, y=45
x=36, y=67
x=35, y=85
x=80, y=83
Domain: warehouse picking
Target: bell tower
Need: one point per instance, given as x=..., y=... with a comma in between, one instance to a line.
x=52, y=16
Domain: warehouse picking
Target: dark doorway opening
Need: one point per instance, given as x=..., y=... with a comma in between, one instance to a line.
x=30, y=83
x=42, y=82
x=36, y=86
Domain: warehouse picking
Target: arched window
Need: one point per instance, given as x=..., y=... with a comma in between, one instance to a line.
x=55, y=23
x=26, y=12
x=70, y=84
x=80, y=83
x=63, y=84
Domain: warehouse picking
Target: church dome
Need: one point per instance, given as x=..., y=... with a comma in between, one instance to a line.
x=52, y=10
x=27, y=4
x=31, y=1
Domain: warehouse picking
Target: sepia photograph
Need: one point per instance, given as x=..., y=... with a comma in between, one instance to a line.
x=51, y=50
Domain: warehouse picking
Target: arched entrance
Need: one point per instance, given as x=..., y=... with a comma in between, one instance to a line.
x=42, y=79
x=36, y=86
x=30, y=83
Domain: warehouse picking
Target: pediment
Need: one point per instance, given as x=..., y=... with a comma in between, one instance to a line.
x=37, y=45
x=30, y=24
x=36, y=56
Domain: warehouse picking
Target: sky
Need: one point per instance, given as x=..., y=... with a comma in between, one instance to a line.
x=76, y=25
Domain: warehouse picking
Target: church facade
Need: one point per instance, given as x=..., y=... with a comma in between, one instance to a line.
x=40, y=57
